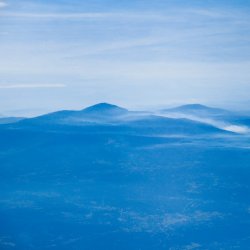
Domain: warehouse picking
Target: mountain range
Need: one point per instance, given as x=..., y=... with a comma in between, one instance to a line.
x=186, y=119
x=199, y=110
x=109, y=117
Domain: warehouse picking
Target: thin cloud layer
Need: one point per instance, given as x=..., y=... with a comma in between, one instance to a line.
x=156, y=51
x=21, y=86
x=3, y=4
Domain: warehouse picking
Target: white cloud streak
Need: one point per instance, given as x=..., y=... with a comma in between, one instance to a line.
x=177, y=15
x=216, y=123
x=88, y=15
x=21, y=86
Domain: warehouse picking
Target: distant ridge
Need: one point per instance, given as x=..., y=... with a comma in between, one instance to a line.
x=195, y=106
x=8, y=120
x=98, y=113
x=198, y=109
x=114, y=119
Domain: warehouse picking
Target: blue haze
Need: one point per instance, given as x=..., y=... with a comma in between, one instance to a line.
x=105, y=177
x=76, y=53
x=147, y=174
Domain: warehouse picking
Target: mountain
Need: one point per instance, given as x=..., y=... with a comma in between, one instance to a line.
x=157, y=125
x=98, y=113
x=7, y=120
x=199, y=110
x=108, y=118
x=220, y=118
x=123, y=182
x=104, y=108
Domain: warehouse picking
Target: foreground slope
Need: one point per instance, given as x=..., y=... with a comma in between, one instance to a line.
x=115, y=186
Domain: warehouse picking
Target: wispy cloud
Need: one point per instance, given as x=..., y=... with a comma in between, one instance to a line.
x=177, y=15
x=174, y=14
x=180, y=51
x=58, y=15
x=90, y=15
x=3, y=4
x=21, y=86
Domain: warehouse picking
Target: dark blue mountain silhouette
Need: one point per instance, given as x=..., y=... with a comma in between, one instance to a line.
x=105, y=108
x=99, y=113
x=112, y=118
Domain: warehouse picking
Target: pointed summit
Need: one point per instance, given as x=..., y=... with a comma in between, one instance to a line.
x=104, y=108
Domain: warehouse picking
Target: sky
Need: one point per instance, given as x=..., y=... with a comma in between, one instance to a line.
x=139, y=54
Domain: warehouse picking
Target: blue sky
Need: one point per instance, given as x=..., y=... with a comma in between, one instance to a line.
x=68, y=54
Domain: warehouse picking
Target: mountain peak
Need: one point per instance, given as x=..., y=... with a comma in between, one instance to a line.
x=198, y=109
x=104, y=107
x=194, y=106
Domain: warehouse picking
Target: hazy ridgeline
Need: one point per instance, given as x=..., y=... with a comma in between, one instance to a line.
x=108, y=178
